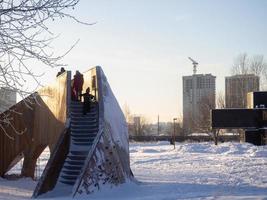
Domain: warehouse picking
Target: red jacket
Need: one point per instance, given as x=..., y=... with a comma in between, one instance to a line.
x=78, y=82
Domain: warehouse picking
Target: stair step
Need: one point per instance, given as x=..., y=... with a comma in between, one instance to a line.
x=83, y=118
x=84, y=121
x=83, y=131
x=79, y=153
x=77, y=141
x=89, y=144
x=68, y=167
x=90, y=129
x=83, y=128
x=79, y=107
x=87, y=116
x=69, y=172
x=83, y=139
x=75, y=103
x=68, y=177
x=75, y=163
x=85, y=135
x=80, y=110
x=80, y=102
x=78, y=122
x=84, y=125
x=74, y=137
x=81, y=158
x=67, y=182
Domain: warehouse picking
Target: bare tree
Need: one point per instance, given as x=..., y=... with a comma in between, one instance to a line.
x=206, y=104
x=243, y=64
x=24, y=38
x=215, y=135
x=127, y=113
x=141, y=125
x=220, y=100
x=145, y=125
x=258, y=66
x=220, y=103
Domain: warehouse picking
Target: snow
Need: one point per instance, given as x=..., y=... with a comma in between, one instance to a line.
x=19, y=189
x=191, y=171
x=40, y=164
x=114, y=116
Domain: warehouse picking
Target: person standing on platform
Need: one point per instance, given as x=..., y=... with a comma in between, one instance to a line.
x=80, y=89
x=78, y=85
x=62, y=70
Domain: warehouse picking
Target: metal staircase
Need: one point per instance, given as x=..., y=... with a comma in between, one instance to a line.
x=84, y=129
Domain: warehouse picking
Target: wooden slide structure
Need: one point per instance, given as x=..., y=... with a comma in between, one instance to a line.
x=35, y=123
x=87, y=151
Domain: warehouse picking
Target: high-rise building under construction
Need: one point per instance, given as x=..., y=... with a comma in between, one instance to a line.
x=198, y=99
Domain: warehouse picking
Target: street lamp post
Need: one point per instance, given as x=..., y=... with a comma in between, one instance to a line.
x=174, y=119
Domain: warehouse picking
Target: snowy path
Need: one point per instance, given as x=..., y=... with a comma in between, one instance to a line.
x=191, y=171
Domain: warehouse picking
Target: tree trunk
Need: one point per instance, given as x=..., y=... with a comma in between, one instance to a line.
x=215, y=139
x=215, y=136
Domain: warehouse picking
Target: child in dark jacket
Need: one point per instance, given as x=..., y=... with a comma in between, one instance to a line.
x=87, y=100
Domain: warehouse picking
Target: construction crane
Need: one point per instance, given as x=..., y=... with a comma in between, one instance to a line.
x=195, y=63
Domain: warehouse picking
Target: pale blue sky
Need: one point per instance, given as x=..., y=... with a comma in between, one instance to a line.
x=143, y=45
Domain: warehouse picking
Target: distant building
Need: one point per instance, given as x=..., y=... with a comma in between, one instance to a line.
x=7, y=98
x=237, y=87
x=198, y=89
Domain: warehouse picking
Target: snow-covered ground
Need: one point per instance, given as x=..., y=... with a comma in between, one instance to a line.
x=191, y=171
